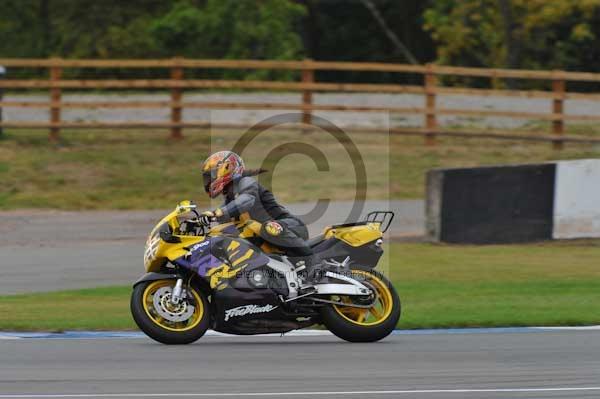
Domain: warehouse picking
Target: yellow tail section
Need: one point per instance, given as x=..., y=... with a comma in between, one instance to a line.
x=355, y=236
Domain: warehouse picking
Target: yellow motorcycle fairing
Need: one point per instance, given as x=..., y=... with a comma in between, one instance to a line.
x=166, y=244
x=158, y=251
x=246, y=228
x=357, y=235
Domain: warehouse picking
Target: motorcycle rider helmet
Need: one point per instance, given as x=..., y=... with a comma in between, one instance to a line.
x=220, y=169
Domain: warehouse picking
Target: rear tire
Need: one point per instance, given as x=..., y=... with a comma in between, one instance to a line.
x=346, y=323
x=161, y=329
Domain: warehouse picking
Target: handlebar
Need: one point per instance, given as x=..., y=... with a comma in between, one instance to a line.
x=190, y=206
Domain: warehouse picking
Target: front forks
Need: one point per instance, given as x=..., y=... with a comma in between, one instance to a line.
x=177, y=291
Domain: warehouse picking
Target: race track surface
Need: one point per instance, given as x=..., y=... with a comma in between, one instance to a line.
x=491, y=365
x=56, y=250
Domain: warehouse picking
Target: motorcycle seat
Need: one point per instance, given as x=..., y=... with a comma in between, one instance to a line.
x=312, y=242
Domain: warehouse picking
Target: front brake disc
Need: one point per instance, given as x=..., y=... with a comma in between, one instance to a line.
x=171, y=312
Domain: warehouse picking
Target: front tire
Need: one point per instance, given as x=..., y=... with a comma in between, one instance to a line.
x=365, y=324
x=166, y=323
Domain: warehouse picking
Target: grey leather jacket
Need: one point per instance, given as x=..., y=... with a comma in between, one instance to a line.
x=247, y=195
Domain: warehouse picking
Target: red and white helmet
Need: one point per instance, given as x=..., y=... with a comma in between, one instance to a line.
x=220, y=169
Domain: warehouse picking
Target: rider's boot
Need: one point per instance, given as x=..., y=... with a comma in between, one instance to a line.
x=310, y=268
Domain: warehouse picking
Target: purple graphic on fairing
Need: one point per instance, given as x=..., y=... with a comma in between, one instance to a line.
x=200, y=259
x=231, y=230
x=204, y=264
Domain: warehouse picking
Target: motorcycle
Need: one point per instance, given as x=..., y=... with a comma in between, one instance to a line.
x=225, y=277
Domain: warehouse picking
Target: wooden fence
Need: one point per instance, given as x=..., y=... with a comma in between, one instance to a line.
x=430, y=90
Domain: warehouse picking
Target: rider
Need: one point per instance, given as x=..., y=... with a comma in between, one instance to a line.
x=224, y=173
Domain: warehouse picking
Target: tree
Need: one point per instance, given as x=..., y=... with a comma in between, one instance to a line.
x=231, y=29
x=399, y=46
x=342, y=30
x=104, y=29
x=466, y=32
x=19, y=28
x=536, y=34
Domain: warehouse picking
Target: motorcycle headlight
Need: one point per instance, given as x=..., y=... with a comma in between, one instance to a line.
x=258, y=278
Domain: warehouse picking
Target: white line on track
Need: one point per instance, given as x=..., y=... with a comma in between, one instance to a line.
x=313, y=393
x=298, y=333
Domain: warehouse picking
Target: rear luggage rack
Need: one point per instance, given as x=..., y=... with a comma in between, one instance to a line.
x=383, y=217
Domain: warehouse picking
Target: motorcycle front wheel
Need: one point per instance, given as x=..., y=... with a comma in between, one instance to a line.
x=165, y=322
x=365, y=324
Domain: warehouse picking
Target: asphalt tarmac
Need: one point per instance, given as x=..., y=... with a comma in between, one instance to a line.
x=55, y=250
x=558, y=364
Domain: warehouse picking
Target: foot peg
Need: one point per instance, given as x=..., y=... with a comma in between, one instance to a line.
x=338, y=265
x=307, y=290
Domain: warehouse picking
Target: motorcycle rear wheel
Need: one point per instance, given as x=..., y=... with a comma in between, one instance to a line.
x=158, y=318
x=365, y=324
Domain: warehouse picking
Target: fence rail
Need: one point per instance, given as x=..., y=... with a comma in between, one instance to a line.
x=178, y=83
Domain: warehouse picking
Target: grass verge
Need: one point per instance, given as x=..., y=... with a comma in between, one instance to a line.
x=440, y=286
x=144, y=169
x=501, y=285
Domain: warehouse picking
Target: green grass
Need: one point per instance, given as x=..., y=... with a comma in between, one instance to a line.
x=500, y=285
x=144, y=169
x=440, y=286
x=87, y=309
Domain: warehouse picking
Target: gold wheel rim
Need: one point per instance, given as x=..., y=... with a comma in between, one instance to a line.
x=382, y=305
x=147, y=301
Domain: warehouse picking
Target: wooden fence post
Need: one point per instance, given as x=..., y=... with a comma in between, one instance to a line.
x=55, y=101
x=308, y=76
x=430, y=116
x=176, y=97
x=558, y=125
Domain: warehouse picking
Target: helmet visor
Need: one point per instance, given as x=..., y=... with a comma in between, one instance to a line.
x=208, y=177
